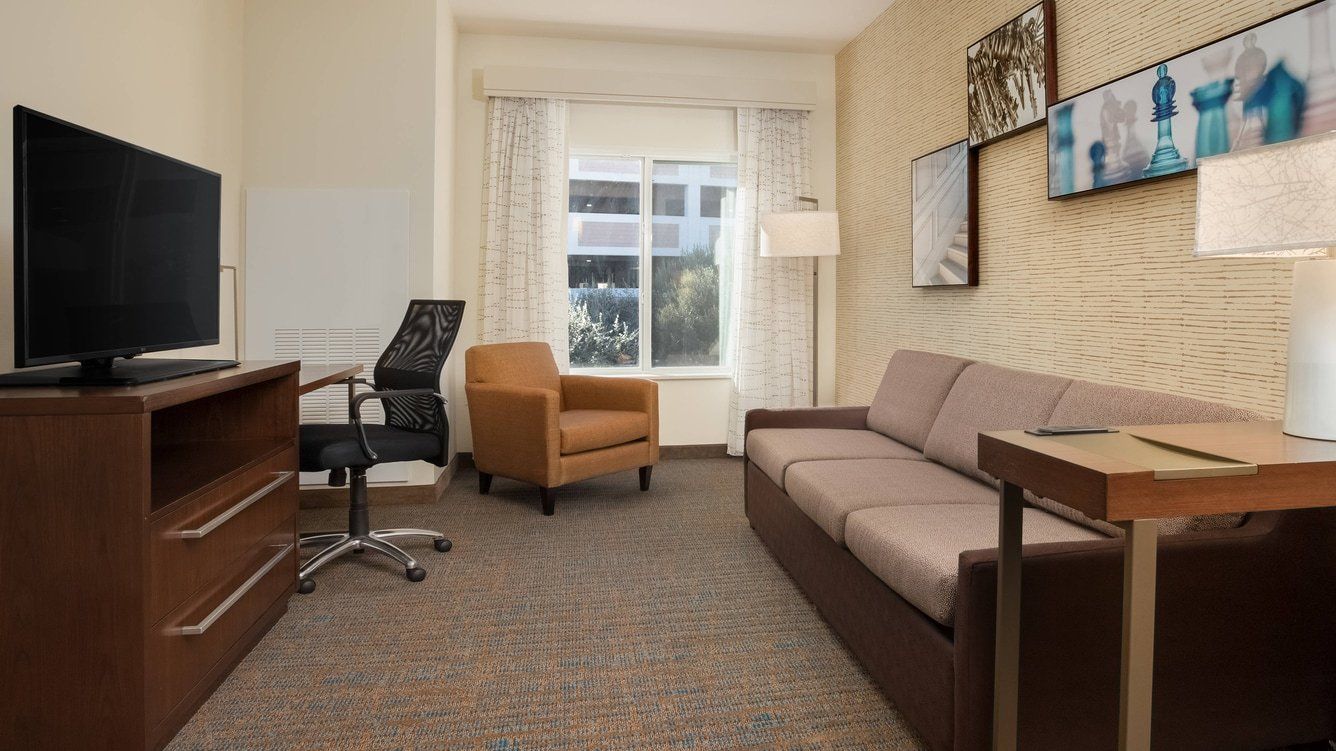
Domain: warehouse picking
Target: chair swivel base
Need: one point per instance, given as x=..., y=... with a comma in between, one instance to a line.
x=360, y=537
x=341, y=543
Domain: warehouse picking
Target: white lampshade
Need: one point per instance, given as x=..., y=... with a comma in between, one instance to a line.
x=1276, y=201
x=1280, y=201
x=800, y=233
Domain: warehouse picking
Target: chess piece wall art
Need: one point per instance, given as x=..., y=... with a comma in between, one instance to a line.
x=1011, y=76
x=1166, y=160
x=1265, y=84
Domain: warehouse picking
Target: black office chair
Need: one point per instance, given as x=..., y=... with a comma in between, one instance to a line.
x=407, y=381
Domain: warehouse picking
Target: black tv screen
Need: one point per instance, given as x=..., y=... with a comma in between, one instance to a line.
x=116, y=247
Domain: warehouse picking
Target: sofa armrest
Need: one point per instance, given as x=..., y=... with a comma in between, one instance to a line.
x=516, y=431
x=849, y=418
x=1223, y=597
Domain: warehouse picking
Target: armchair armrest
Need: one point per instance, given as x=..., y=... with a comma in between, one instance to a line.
x=355, y=411
x=849, y=418
x=603, y=392
x=516, y=431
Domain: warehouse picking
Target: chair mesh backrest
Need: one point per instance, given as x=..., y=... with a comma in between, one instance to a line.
x=414, y=360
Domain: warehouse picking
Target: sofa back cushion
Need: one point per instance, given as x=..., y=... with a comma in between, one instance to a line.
x=1087, y=403
x=911, y=393
x=989, y=397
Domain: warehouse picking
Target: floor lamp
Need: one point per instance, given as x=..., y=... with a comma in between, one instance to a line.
x=804, y=233
x=1279, y=201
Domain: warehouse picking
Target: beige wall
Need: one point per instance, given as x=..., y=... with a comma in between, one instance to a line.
x=356, y=94
x=693, y=411
x=342, y=94
x=1101, y=286
x=164, y=74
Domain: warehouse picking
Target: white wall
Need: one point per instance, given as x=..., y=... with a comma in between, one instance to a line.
x=691, y=411
x=357, y=94
x=164, y=74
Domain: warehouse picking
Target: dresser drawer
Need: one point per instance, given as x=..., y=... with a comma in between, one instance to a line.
x=182, y=647
x=194, y=545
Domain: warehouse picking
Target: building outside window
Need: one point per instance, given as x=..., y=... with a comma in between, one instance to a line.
x=649, y=241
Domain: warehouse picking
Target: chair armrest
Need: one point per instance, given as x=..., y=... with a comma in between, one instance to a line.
x=848, y=418
x=516, y=431
x=602, y=392
x=355, y=411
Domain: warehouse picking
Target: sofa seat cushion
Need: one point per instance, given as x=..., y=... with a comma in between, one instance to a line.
x=589, y=429
x=912, y=391
x=828, y=491
x=774, y=449
x=915, y=550
x=1088, y=403
x=988, y=397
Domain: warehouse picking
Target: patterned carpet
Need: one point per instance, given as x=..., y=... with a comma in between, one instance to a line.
x=627, y=621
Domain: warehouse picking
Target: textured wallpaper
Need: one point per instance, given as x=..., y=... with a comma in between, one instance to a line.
x=1102, y=287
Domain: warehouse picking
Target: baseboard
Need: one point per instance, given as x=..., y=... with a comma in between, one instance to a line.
x=384, y=495
x=695, y=451
x=687, y=451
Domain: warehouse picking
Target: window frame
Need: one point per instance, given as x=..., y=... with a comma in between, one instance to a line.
x=645, y=367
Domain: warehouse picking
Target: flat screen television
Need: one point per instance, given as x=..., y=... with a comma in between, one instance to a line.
x=116, y=254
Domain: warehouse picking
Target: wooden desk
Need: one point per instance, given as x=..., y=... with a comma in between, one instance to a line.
x=313, y=377
x=1121, y=487
x=148, y=539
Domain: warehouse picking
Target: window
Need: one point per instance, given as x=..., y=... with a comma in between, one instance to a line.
x=679, y=251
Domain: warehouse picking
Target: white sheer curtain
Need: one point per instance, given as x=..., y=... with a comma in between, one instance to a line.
x=522, y=269
x=770, y=306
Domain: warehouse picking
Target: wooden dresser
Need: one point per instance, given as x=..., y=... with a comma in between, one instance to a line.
x=148, y=539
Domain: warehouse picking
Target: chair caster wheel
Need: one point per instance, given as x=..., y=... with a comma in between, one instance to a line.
x=307, y=586
x=442, y=545
x=416, y=574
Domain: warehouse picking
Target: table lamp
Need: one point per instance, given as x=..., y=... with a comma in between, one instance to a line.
x=1279, y=201
x=805, y=233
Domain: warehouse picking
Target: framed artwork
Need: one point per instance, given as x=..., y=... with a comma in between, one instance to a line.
x=1012, y=76
x=1270, y=83
x=945, y=250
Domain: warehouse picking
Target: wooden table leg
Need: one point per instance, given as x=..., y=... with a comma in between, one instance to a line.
x=1138, y=634
x=1006, y=664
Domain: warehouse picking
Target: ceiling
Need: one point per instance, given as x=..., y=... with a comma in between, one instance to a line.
x=783, y=25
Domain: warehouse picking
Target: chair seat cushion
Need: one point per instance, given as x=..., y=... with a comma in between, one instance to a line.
x=333, y=446
x=774, y=449
x=589, y=429
x=916, y=550
x=828, y=491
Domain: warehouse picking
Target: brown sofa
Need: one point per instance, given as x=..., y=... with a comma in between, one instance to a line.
x=881, y=515
x=532, y=424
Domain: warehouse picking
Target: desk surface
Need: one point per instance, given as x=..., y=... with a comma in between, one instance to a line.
x=1291, y=472
x=314, y=377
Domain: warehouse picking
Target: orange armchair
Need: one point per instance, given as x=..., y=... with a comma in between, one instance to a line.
x=532, y=424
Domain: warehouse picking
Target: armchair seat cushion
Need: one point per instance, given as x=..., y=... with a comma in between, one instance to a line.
x=829, y=491
x=774, y=449
x=334, y=446
x=916, y=550
x=588, y=429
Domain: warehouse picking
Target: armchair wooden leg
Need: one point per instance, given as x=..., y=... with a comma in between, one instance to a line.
x=644, y=477
x=484, y=483
x=549, y=498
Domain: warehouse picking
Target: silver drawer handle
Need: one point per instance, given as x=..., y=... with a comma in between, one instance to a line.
x=219, y=520
x=199, y=628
